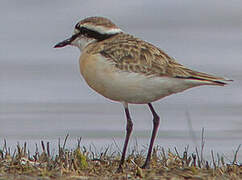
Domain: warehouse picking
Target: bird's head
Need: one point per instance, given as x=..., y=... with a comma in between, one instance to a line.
x=90, y=30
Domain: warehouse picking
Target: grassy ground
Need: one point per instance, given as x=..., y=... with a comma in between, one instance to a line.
x=81, y=163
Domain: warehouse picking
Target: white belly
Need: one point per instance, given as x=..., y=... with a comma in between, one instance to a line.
x=106, y=79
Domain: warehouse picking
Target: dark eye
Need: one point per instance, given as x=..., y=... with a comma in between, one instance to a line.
x=83, y=31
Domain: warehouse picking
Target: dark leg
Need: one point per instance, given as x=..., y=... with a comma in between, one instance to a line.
x=129, y=127
x=156, y=122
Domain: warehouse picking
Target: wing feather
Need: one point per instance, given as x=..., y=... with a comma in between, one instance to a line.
x=135, y=55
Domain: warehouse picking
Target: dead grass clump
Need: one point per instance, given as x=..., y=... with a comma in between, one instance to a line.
x=81, y=163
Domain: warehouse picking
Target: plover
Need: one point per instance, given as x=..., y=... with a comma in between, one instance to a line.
x=129, y=70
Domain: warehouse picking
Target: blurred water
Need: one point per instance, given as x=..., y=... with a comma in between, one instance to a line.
x=43, y=97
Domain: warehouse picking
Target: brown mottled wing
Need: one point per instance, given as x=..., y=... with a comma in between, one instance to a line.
x=134, y=55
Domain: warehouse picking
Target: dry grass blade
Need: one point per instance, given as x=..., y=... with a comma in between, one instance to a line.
x=202, y=146
x=214, y=164
x=64, y=144
x=198, y=158
x=236, y=154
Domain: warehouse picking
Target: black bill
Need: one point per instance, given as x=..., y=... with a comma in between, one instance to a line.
x=66, y=42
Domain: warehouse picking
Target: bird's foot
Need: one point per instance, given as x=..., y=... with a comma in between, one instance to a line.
x=146, y=166
x=120, y=169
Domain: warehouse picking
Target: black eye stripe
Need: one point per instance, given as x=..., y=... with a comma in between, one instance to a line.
x=86, y=31
x=93, y=34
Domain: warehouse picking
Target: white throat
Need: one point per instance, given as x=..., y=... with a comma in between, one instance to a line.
x=82, y=42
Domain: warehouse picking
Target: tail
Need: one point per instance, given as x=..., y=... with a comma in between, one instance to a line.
x=206, y=78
